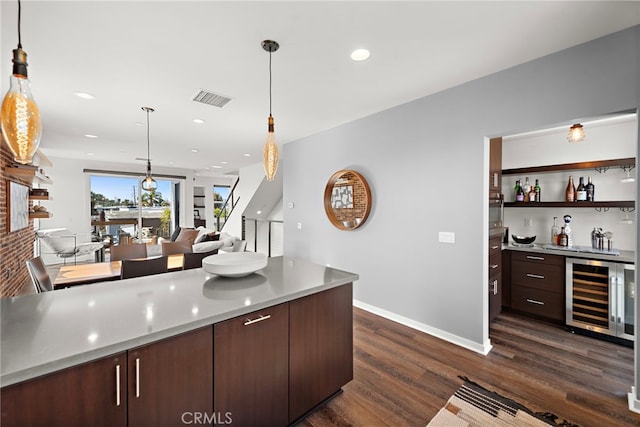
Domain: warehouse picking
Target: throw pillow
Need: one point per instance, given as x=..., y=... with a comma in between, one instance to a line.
x=211, y=237
x=187, y=235
x=175, y=234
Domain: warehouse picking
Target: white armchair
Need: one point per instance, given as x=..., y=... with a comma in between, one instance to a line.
x=64, y=244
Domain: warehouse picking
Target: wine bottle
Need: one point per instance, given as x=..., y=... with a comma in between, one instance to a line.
x=591, y=190
x=555, y=231
x=570, y=193
x=581, y=192
x=538, y=189
x=526, y=188
x=515, y=190
x=519, y=194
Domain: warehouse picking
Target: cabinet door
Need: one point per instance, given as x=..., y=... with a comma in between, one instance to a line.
x=495, y=166
x=171, y=380
x=92, y=394
x=321, y=347
x=251, y=368
x=495, y=296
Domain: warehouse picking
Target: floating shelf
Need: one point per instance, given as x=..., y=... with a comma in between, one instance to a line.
x=40, y=215
x=598, y=165
x=31, y=175
x=604, y=204
x=37, y=197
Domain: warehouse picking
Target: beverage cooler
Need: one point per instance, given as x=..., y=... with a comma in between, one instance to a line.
x=600, y=296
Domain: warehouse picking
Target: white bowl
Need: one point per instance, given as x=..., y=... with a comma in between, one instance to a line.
x=234, y=264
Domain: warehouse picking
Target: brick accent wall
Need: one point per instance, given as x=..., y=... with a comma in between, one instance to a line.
x=15, y=247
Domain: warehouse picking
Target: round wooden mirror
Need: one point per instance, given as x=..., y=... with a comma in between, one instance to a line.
x=347, y=199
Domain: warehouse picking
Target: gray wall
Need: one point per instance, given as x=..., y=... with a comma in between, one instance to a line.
x=426, y=162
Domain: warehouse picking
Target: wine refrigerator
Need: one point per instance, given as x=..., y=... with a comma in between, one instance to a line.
x=600, y=297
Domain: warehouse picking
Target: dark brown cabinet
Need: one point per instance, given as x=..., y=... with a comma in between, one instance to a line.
x=156, y=384
x=92, y=394
x=321, y=348
x=251, y=367
x=495, y=276
x=495, y=227
x=170, y=380
x=537, y=284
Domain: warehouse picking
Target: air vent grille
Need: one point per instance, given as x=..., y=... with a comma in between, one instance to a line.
x=210, y=98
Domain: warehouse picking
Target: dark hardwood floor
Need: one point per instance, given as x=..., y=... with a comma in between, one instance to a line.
x=402, y=377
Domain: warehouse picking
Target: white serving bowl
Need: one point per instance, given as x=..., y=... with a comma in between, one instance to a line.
x=234, y=264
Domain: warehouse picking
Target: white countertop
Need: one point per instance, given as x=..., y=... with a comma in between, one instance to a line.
x=50, y=331
x=576, y=252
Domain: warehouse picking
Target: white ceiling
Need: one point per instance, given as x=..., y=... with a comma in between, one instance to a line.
x=159, y=53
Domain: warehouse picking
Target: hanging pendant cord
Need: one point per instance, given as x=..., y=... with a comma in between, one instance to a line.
x=148, y=155
x=19, y=36
x=270, y=82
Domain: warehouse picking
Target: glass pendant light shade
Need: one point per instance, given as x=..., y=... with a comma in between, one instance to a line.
x=20, y=116
x=148, y=183
x=270, y=153
x=576, y=133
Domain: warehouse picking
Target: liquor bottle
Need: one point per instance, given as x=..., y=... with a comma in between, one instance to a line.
x=567, y=230
x=515, y=190
x=538, y=190
x=563, y=238
x=526, y=188
x=591, y=190
x=555, y=231
x=519, y=194
x=581, y=192
x=532, y=194
x=570, y=193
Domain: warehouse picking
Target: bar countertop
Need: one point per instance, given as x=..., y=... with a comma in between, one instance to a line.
x=47, y=332
x=576, y=252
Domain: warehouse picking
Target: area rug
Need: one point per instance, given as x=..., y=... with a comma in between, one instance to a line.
x=474, y=405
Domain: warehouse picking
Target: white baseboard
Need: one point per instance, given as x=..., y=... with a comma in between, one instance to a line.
x=634, y=403
x=438, y=333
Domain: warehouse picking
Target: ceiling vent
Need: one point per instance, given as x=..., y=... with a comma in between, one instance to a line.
x=210, y=98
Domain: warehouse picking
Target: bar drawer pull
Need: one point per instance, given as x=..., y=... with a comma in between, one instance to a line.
x=137, y=377
x=535, y=276
x=539, y=258
x=259, y=319
x=494, y=266
x=494, y=247
x=532, y=301
x=117, y=385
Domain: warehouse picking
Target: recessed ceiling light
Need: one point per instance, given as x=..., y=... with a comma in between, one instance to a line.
x=138, y=123
x=247, y=154
x=194, y=150
x=172, y=162
x=90, y=154
x=198, y=121
x=88, y=135
x=217, y=167
x=84, y=95
x=223, y=163
x=360, y=54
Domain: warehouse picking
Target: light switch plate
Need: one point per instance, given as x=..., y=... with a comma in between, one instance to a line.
x=446, y=237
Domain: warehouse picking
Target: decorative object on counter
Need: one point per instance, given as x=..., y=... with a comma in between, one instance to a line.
x=555, y=232
x=591, y=190
x=148, y=184
x=523, y=240
x=567, y=230
x=20, y=117
x=234, y=264
x=576, y=133
x=270, y=146
x=570, y=192
x=596, y=233
x=347, y=199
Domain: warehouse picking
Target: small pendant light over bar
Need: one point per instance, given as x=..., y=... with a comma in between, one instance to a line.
x=148, y=184
x=576, y=133
x=270, y=146
x=20, y=116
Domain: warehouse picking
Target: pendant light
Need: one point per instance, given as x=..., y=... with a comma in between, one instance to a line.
x=576, y=133
x=20, y=117
x=148, y=184
x=270, y=147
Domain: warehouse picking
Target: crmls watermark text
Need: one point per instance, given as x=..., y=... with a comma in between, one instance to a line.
x=214, y=418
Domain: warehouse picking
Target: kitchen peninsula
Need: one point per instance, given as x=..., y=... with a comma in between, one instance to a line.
x=265, y=348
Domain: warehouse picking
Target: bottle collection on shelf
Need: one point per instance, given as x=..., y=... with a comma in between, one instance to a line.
x=532, y=193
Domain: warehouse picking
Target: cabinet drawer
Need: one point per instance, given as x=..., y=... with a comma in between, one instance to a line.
x=538, y=301
x=495, y=245
x=542, y=276
x=495, y=264
x=538, y=258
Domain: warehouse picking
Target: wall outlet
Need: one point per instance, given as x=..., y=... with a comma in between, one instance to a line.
x=299, y=225
x=290, y=205
x=446, y=237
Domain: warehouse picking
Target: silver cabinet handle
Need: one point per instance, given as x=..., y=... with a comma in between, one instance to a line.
x=539, y=258
x=532, y=301
x=535, y=276
x=117, y=385
x=137, y=377
x=494, y=266
x=495, y=247
x=495, y=287
x=259, y=319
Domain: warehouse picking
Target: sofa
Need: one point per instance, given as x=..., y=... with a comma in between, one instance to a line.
x=202, y=240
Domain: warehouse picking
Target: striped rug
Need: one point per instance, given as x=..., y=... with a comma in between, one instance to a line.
x=473, y=405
